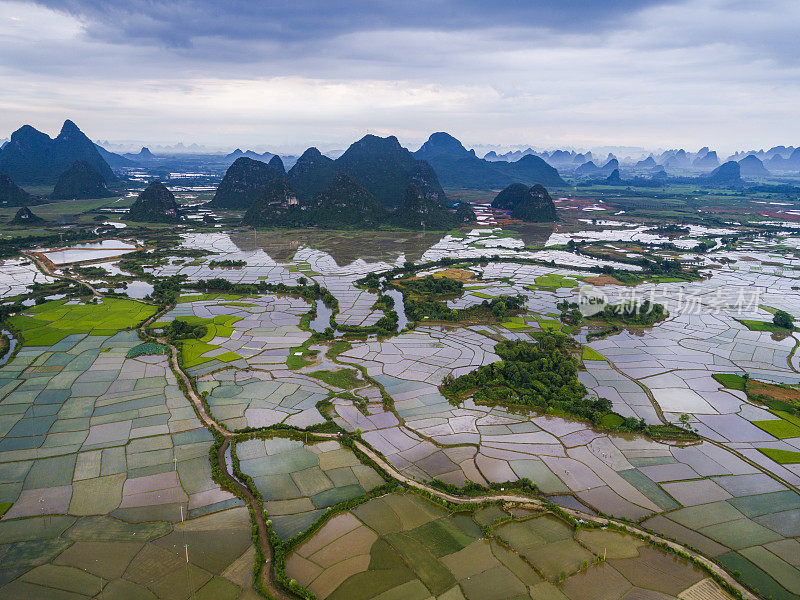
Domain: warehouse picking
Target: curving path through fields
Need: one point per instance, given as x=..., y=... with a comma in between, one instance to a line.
x=518, y=499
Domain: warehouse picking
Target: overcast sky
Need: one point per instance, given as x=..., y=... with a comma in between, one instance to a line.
x=285, y=75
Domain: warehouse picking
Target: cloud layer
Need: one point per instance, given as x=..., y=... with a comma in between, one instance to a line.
x=284, y=75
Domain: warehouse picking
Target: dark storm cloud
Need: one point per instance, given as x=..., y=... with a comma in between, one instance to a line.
x=547, y=73
x=180, y=23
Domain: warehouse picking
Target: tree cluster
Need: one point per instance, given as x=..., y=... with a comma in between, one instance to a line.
x=434, y=286
x=633, y=313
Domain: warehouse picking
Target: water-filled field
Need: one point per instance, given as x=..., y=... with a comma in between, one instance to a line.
x=401, y=546
x=107, y=481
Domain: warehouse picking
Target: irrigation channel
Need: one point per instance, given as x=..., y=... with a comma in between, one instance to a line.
x=520, y=500
x=524, y=501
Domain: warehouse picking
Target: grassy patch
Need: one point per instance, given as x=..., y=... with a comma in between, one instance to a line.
x=55, y=210
x=731, y=381
x=792, y=418
x=455, y=273
x=229, y=356
x=780, y=428
x=548, y=324
x=515, y=323
x=343, y=378
x=338, y=347
x=611, y=421
x=590, y=354
x=481, y=295
x=764, y=326
x=782, y=400
x=49, y=323
x=782, y=457
x=193, y=351
x=219, y=326
x=297, y=361
x=206, y=297
x=551, y=283
x=4, y=506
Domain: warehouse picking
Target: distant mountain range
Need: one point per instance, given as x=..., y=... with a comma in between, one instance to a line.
x=171, y=160
x=510, y=156
x=34, y=158
x=679, y=162
x=706, y=160
x=142, y=157
x=591, y=169
x=115, y=161
x=263, y=157
x=459, y=168
x=727, y=175
x=249, y=154
x=656, y=180
x=790, y=163
x=381, y=166
x=344, y=203
x=781, y=152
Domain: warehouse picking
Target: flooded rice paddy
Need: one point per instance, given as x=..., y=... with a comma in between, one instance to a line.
x=89, y=251
x=102, y=455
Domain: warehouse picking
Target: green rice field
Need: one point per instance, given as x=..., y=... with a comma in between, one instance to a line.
x=401, y=546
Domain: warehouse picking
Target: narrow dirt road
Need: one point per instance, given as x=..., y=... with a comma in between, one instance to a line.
x=243, y=491
x=253, y=503
x=45, y=268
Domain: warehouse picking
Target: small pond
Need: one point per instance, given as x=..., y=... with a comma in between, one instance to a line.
x=12, y=346
x=89, y=251
x=399, y=308
x=323, y=319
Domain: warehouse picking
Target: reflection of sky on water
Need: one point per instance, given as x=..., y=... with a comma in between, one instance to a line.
x=89, y=251
x=637, y=234
x=323, y=319
x=17, y=274
x=136, y=289
x=343, y=246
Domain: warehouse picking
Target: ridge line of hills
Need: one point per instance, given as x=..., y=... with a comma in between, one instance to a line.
x=375, y=175
x=34, y=158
